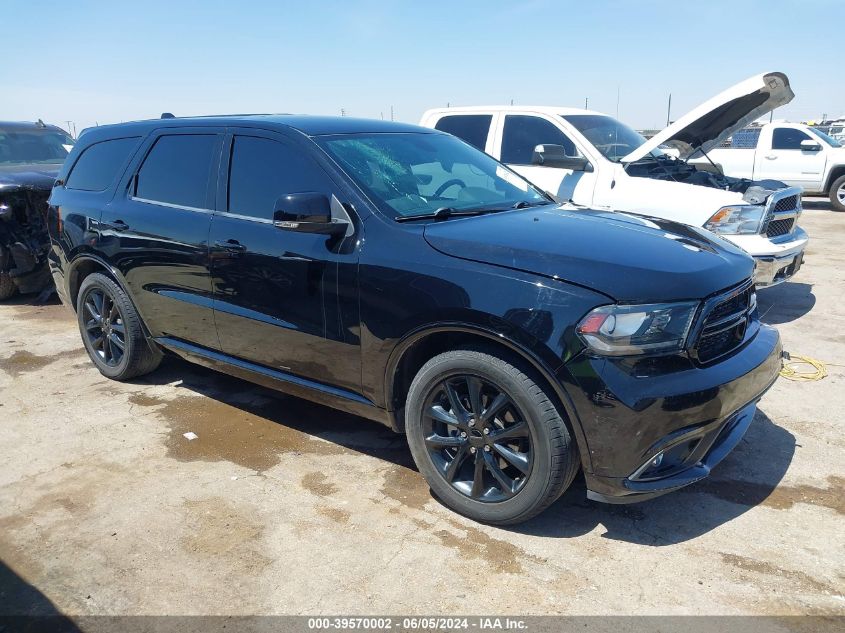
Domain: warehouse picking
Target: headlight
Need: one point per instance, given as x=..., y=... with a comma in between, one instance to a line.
x=623, y=330
x=737, y=219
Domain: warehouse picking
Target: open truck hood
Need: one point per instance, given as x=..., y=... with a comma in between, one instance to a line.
x=713, y=121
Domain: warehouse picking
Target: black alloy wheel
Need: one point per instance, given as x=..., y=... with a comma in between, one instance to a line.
x=477, y=438
x=104, y=326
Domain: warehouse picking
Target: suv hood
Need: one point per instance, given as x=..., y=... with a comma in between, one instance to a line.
x=37, y=176
x=713, y=121
x=626, y=257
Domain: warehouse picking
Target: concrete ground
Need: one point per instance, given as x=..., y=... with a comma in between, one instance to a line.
x=285, y=507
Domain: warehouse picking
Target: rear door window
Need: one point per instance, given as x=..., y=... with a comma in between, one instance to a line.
x=178, y=170
x=96, y=168
x=263, y=170
x=523, y=133
x=788, y=138
x=472, y=128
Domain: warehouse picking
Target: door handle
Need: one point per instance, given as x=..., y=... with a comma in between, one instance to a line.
x=117, y=225
x=233, y=246
x=771, y=157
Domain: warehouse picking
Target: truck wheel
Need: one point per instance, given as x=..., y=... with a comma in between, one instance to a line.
x=488, y=440
x=8, y=289
x=111, y=330
x=837, y=194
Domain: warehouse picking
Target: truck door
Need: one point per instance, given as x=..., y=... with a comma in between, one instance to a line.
x=783, y=158
x=520, y=134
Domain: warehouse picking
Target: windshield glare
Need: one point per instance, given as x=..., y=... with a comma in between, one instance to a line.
x=613, y=139
x=33, y=146
x=413, y=174
x=827, y=139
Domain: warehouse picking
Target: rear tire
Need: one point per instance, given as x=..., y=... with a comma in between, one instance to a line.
x=837, y=194
x=111, y=330
x=8, y=289
x=487, y=438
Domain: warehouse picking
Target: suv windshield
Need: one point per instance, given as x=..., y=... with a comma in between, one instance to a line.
x=613, y=139
x=411, y=174
x=33, y=146
x=827, y=139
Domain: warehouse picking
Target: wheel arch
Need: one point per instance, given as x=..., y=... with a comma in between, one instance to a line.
x=416, y=348
x=835, y=173
x=83, y=266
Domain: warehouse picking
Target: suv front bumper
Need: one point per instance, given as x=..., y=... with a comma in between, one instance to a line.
x=634, y=411
x=777, y=259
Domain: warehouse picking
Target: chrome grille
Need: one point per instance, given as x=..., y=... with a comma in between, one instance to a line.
x=780, y=227
x=724, y=325
x=790, y=203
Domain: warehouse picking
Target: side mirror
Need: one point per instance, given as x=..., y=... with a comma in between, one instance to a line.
x=555, y=156
x=308, y=213
x=810, y=146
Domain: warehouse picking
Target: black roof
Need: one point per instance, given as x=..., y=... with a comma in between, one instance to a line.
x=29, y=125
x=309, y=125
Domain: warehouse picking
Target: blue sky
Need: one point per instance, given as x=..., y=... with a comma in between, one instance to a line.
x=91, y=61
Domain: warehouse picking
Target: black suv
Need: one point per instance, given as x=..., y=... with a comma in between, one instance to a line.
x=398, y=273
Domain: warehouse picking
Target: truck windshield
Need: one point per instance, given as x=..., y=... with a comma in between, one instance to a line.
x=827, y=139
x=33, y=146
x=412, y=174
x=613, y=139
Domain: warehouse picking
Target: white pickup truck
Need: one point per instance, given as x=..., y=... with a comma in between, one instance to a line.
x=799, y=155
x=595, y=161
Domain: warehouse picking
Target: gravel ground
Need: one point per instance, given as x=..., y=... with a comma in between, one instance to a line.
x=285, y=507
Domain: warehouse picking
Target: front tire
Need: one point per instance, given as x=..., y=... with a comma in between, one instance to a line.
x=487, y=438
x=111, y=330
x=837, y=194
x=8, y=289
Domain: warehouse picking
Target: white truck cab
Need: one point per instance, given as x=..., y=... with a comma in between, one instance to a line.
x=595, y=161
x=794, y=153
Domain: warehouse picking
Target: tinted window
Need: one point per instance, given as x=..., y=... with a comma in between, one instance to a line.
x=788, y=138
x=523, y=133
x=263, y=170
x=472, y=128
x=97, y=166
x=177, y=170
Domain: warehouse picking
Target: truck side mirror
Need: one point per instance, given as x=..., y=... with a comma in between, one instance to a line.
x=810, y=146
x=547, y=155
x=307, y=213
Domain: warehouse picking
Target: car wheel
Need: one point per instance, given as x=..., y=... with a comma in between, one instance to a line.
x=487, y=438
x=111, y=330
x=837, y=194
x=8, y=289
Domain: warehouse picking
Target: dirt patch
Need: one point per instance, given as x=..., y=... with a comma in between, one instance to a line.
x=751, y=493
x=23, y=362
x=406, y=486
x=237, y=434
x=218, y=529
x=499, y=555
x=804, y=581
x=318, y=484
x=335, y=514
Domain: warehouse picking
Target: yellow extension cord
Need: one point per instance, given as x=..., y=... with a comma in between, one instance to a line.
x=791, y=371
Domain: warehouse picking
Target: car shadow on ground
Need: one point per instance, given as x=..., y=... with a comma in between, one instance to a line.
x=25, y=608
x=785, y=302
x=743, y=480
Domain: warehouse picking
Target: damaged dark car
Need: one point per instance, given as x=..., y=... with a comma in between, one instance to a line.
x=30, y=157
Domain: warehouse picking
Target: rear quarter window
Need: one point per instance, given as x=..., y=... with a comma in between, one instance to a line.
x=178, y=170
x=97, y=165
x=472, y=128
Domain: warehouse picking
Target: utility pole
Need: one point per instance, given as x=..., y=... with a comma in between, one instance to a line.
x=586, y=103
x=391, y=113
x=669, y=111
x=70, y=128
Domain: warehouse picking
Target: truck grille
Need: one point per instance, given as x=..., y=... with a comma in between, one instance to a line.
x=725, y=324
x=780, y=227
x=790, y=203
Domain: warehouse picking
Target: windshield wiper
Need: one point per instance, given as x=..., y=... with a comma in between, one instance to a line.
x=448, y=212
x=525, y=204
